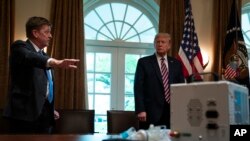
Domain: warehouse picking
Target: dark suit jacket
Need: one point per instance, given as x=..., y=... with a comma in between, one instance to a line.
x=28, y=82
x=148, y=85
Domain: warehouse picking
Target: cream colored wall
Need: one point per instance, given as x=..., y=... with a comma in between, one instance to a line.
x=28, y=8
x=202, y=14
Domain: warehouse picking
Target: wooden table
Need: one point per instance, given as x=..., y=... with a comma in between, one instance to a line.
x=67, y=137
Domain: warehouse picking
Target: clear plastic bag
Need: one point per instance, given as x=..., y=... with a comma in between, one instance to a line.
x=154, y=133
x=158, y=133
x=127, y=134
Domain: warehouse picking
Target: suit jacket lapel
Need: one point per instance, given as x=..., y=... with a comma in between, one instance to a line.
x=170, y=71
x=156, y=68
x=30, y=46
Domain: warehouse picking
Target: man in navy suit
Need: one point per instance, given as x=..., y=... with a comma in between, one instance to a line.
x=29, y=108
x=151, y=105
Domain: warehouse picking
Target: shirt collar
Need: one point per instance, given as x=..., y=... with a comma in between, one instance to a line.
x=35, y=46
x=159, y=57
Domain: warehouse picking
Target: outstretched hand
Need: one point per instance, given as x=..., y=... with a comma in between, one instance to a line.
x=65, y=63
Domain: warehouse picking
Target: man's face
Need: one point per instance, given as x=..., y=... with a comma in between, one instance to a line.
x=162, y=45
x=42, y=36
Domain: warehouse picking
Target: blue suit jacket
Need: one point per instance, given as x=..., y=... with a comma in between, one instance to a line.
x=28, y=82
x=148, y=85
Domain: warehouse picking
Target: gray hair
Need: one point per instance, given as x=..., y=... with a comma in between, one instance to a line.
x=167, y=35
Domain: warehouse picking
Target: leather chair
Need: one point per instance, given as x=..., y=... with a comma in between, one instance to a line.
x=75, y=122
x=4, y=124
x=119, y=121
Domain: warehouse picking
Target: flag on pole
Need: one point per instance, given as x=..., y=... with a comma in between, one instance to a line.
x=231, y=70
x=235, y=57
x=189, y=52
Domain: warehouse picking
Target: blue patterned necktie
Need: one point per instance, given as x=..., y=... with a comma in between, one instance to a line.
x=49, y=77
x=164, y=73
x=50, y=95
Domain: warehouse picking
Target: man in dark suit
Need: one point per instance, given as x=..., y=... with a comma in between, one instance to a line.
x=152, y=106
x=30, y=107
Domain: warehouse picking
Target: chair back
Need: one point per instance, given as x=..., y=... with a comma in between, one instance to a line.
x=119, y=121
x=75, y=122
x=4, y=124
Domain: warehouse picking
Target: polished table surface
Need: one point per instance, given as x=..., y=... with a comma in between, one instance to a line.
x=61, y=137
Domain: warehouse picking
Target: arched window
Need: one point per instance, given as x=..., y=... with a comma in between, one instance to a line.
x=245, y=25
x=245, y=20
x=120, y=26
x=117, y=34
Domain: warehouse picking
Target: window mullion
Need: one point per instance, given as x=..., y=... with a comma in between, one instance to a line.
x=125, y=14
x=132, y=26
x=112, y=13
x=104, y=24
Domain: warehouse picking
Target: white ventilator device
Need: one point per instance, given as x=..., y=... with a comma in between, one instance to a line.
x=204, y=111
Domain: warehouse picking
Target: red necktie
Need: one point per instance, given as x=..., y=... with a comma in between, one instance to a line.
x=164, y=73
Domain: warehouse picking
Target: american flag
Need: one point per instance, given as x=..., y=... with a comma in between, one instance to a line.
x=235, y=56
x=230, y=71
x=189, y=52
